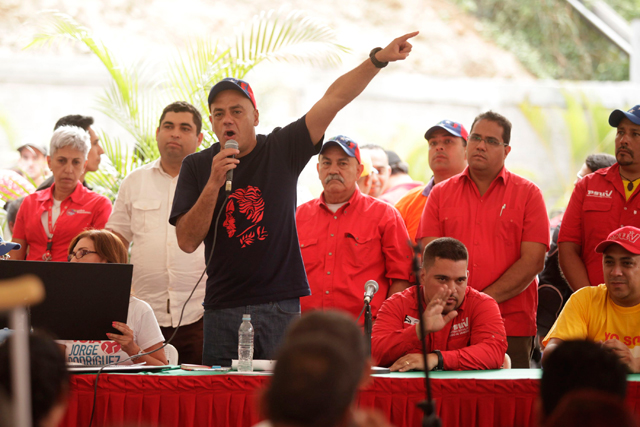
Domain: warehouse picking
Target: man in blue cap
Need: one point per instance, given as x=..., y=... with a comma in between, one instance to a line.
x=602, y=202
x=255, y=263
x=348, y=238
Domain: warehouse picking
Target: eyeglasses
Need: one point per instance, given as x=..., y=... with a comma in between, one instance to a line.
x=79, y=254
x=476, y=139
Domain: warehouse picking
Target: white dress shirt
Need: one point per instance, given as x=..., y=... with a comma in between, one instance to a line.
x=163, y=275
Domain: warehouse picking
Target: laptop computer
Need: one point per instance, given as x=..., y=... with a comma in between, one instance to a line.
x=81, y=299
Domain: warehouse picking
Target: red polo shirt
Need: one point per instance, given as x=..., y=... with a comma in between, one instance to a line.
x=364, y=240
x=474, y=339
x=492, y=227
x=597, y=207
x=83, y=209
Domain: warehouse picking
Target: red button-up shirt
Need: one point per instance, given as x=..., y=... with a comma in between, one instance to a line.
x=83, y=209
x=474, y=339
x=597, y=207
x=365, y=239
x=492, y=227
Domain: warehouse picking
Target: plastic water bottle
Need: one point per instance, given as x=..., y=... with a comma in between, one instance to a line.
x=245, y=345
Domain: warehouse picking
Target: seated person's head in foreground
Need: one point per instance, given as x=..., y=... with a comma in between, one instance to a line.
x=313, y=384
x=449, y=258
x=591, y=408
x=99, y=246
x=578, y=365
x=49, y=379
x=335, y=326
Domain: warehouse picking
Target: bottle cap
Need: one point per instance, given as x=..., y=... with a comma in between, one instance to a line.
x=246, y=317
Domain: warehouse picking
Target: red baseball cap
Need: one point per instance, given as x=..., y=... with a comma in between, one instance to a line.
x=628, y=237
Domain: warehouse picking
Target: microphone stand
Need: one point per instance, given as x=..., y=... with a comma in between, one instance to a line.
x=367, y=326
x=430, y=418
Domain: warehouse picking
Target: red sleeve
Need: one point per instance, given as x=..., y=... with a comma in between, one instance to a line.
x=571, y=229
x=430, y=220
x=390, y=340
x=535, y=227
x=102, y=215
x=19, y=227
x=488, y=342
x=395, y=247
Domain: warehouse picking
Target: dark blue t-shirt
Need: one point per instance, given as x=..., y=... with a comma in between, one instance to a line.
x=257, y=256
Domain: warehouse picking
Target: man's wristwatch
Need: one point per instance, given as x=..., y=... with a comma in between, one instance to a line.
x=372, y=56
x=438, y=367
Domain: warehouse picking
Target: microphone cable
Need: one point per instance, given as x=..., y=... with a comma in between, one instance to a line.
x=213, y=246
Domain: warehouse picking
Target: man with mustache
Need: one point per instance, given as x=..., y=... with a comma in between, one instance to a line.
x=348, y=238
x=600, y=203
x=502, y=219
x=447, y=157
x=463, y=326
x=608, y=313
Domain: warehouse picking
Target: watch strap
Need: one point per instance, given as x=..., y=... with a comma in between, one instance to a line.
x=372, y=56
x=439, y=366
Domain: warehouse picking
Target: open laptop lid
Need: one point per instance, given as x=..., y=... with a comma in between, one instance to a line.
x=81, y=299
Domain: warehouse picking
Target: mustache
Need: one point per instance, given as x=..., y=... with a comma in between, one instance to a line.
x=333, y=176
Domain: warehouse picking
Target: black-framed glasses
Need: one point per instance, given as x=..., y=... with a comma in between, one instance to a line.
x=80, y=253
x=476, y=139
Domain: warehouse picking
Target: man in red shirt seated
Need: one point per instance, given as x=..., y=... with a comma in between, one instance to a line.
x=464, y=328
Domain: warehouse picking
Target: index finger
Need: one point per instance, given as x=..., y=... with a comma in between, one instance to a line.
x=408, y=36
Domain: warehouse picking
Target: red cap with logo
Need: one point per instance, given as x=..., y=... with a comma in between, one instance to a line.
x=628, y=237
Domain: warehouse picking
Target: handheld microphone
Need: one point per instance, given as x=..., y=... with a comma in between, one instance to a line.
x=230, y=144
x=370, y=288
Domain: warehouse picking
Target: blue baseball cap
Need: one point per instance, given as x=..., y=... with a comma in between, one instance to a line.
x=454, y=128
x=231, y=83
x=617, y=115
x=347, y=145
x=6, y=247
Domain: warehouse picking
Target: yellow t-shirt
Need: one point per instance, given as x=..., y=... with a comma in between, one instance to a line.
x=590, y=314
x=627, y=192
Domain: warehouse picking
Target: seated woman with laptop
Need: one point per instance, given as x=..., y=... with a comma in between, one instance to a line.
x=140, y=334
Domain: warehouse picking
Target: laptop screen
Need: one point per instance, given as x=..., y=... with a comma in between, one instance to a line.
x=81, y=299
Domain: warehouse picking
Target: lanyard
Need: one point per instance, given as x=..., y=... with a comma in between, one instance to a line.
x=47, y=255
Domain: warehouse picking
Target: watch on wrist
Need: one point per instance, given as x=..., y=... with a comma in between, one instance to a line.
x=372, y=56
x=438, y=367
x=138, y=354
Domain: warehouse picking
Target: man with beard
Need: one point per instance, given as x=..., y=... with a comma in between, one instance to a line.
x=602, y=202
x=348, y=238
x=463, y=326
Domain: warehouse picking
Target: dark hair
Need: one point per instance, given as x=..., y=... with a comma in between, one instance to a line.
x=501, y=120
x=313, y=384
x=576, y=365
x=77, y=120
x=335, y=326
x=48, y=371
x=183, y=107
x=12, y=207
x=599, y=161
x=591, y=408
x=108, y=246
x=445, y=248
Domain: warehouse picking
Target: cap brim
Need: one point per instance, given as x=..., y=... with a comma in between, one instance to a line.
x=8, y=247
x=602, y=246
x=428, y=133
x=617, y=115
x=35, y=147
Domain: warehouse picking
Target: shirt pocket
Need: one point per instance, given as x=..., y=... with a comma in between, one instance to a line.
x=510, y=226
x=310, y=253
x=360, y=249
x=596, y=206
x=145, y=215
x=452, y=222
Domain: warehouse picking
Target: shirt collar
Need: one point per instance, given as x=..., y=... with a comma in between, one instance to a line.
x=428, y=187
x=355, y=198
x=503, y=174
x=76, y=196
